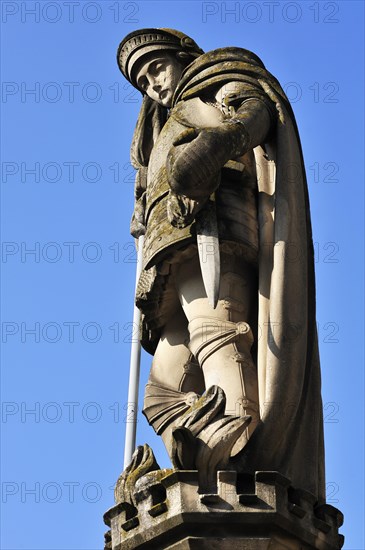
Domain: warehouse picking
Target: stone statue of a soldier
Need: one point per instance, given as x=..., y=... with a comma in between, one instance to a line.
x=227, y=287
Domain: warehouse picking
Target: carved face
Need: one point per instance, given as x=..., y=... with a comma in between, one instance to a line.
x=159, y=76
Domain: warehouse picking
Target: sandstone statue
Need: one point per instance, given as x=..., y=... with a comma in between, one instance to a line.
x=227, y=289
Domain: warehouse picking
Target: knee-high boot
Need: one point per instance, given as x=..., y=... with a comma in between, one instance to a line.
x=223, y=349
x=163, y=406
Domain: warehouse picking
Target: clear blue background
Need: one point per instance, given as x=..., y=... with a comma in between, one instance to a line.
x=71, y=461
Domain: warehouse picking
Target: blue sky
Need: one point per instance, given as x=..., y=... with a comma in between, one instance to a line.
x=68, y=260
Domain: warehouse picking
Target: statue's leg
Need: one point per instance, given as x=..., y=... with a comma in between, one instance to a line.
x=175, y=379
x=221, y=338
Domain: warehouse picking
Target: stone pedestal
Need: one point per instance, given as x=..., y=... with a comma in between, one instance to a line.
x=261, y=512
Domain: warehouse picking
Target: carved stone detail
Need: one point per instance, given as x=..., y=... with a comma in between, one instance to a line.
x=258, y=512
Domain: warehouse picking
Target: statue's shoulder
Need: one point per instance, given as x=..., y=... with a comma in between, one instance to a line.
x=225, y=55
x=214, y=68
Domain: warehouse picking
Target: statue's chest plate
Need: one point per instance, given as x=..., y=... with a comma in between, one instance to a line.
x=187, y=114
x=236, y=203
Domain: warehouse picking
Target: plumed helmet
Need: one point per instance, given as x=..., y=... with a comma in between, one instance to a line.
x=139, y=43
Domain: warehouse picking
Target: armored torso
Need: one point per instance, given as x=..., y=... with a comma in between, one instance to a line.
x=235, y=197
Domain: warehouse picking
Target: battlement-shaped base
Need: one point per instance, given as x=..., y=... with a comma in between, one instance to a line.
x=261, y=512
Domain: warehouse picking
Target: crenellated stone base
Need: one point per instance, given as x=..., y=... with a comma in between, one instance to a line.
x=261, y=512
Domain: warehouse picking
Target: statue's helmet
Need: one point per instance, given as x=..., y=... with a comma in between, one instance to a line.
x=139, y=43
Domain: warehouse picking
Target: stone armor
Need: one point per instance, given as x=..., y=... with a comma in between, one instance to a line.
x=165, y=244
x=235, y=198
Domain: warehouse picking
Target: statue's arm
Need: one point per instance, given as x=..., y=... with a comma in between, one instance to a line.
x=199, y=155
x=246, y=105
x=137, y=227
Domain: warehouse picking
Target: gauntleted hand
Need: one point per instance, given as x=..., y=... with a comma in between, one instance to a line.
x=197, y=156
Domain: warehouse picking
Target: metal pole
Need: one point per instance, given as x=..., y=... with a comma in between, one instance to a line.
x=134, y=369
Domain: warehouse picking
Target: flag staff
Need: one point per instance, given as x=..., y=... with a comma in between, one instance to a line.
x=134, y=371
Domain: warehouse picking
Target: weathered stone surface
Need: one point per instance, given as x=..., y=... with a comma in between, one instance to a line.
x=227, y=294
x=261, y=512
x=227, y=283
